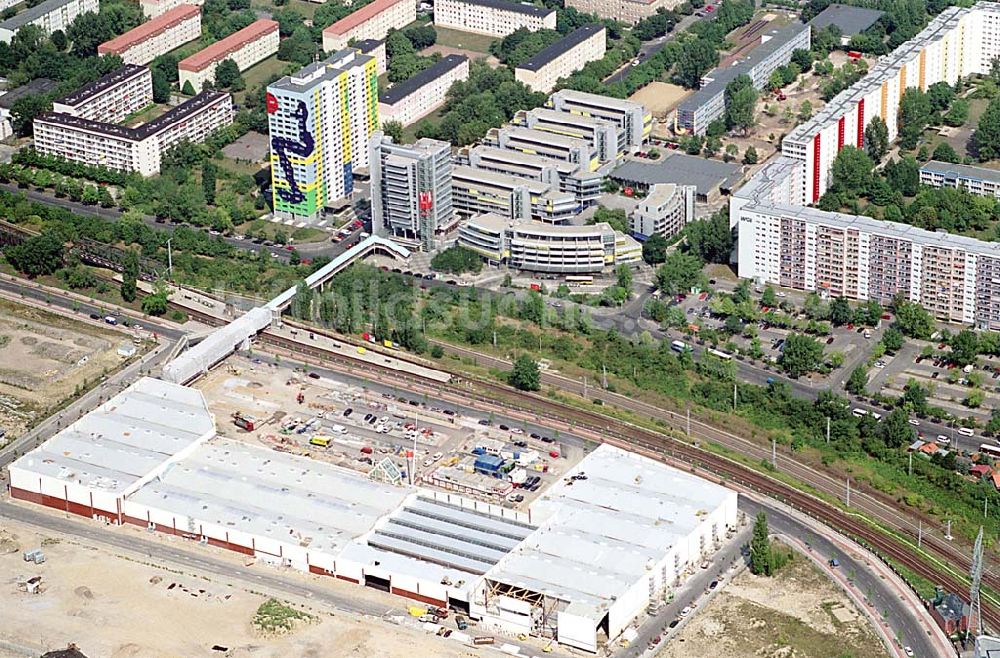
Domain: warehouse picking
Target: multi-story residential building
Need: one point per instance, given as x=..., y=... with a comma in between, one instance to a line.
x=132, y=149
x=664, y=211
x=709, y=103
x=537, y=142
x=634, y=121
x=415, y=98
x=957, y=43
x=153, y=8
x=584, y=185
x=540, y=247
x=496, y=18
x=602, y=134
x=626, y=11
x=112, y=98
x=320, y=120
x=562, y=58
x=246, y=47
x=975, y=180
x=375, y=48
x=157, y=36
x=476, y=191
x=373, y=21
x=411, y=188
x=50, y=15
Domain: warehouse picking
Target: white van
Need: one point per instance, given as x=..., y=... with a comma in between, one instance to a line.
x=966, y=431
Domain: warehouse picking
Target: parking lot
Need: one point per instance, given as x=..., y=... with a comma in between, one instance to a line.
x=377, y=433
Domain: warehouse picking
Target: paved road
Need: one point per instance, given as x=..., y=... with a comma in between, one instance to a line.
x=650, y=48
x=307, y=250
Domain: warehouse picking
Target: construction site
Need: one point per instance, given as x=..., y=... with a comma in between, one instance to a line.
x=306, y=472
x=45, y=358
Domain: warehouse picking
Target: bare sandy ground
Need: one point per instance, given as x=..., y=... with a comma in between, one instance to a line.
x=798, y=614
x=115, y=607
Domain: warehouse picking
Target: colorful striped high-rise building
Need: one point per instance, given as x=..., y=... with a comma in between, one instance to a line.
x=320, y=120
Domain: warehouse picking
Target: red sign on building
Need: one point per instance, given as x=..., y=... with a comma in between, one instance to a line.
x=271, y=104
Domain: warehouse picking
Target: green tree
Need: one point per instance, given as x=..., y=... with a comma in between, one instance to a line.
x=36, y=256
x=912, y=319
x=857, y=382
x=740, y=99
x=915, y=396
x=840, y=311
x=24, y=110
x=227, y=75
x=625, y=277
x=852, y=171
x=946, y=153
x=964, y=348
x=913, y=116
x=697, y=57
x=393, y=129
x=188, y=89
x=711, y=239
x=986, y=139
x=654, y=249
x=679, y=273
x=161, y=86
x=876, y=139
x=895, y=429
x=892, y=339
x=958, y=114
x=805, y=110
x=525, y=375
x=130, y=273
x=208, y=177
x=801, y=354
x=760, y=547
x=456, y=260
x=750, y=156
x=155, y=304
x=768, y=298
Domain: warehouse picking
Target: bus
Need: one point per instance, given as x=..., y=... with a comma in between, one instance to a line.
x=321, y=441
x=992, y=451
x=719, y=354
x=679, y=346
x=580, y=280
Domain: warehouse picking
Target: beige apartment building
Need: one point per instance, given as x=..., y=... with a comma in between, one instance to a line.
x=413, y=99
x=156, y=37
x=49, y=16
x=562, y=58
x=373, y=21
x=252, y=44
x=626, y=11
x=496, y=18
x=153, y=8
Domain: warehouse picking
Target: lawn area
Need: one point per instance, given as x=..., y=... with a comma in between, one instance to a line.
x=268, y=229
x=260, y=73
x=273, y=617
x=410, y=131
x=145, y=115
x=480, y=43
x=307, y=9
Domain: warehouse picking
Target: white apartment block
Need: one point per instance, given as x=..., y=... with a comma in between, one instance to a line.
x=665, y=211
x=539, y=247
x=373, y=21
x=112, y=98
x=374, y=48
x=957, y=43
x=974, y=180
x=50, y=15
x=496, y=18
x=156, y=37
x=562, y=58
x=413, y=99
x=626, y=11
x=132, y=149
x=634, y=120
x=254, y=43
x=153, y=8
x=783, y=242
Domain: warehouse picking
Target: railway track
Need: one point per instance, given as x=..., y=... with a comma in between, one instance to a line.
x=880, y=507
x=659, y=446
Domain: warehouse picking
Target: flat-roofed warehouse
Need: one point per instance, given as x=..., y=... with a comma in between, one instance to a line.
x=579, y=565
x=607, y=546
x=849, y=20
